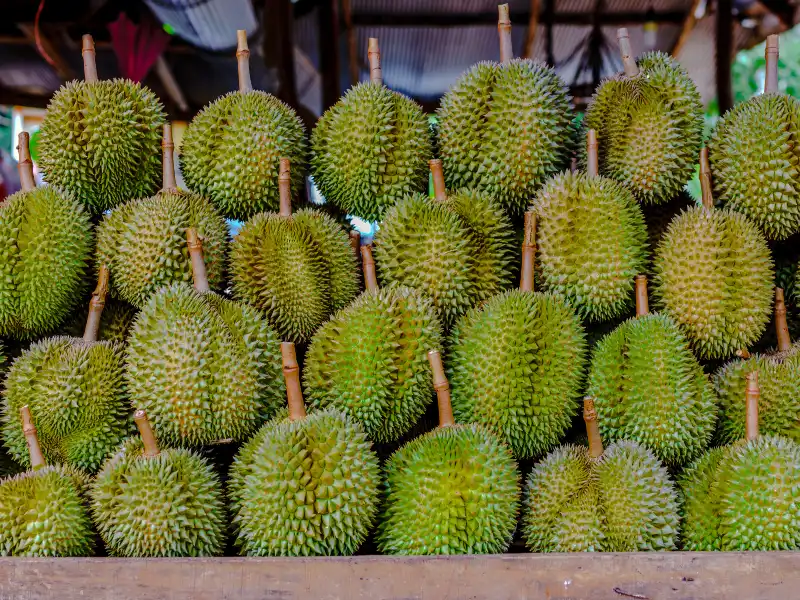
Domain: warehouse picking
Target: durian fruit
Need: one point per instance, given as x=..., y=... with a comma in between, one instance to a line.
x=369, y=361
x=306, y=485
x=76, y=390
x=453, y=490
x=505, y=127
x=204, y=368
x=456, y=249
x=752, y=152
x=148, y=501
x=143, y=242
x=45, y=243
x=43, y=511
x=649, y=120
x=592, y=240
x=231, y=149
x=99, y=139
x=516, y=363
x=296, y=268
x=580, y=499
x=370, y=149
x=713, y=275
x=779, y=378
x=115, y=324
x=744, y=496
x=649, y=388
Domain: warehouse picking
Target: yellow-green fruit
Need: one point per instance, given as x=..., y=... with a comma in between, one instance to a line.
x=231, y=152
x=714, y=277
x=115, y=322
x=305, y=488
x=101, y=142
x=166, y=505
x=45, y=244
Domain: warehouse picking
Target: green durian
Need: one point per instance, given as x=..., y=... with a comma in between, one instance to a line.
x=115, y=324
x=620, y=499
x=99, y=139
x=143, y=242
x=306, y=485
x=148, y=501
x=231, y=149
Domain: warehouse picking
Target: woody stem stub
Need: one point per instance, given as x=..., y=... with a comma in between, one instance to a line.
x=504, y=33
x=146, y=433
x=781, y=326
x=89, y=62
x=168, y=159
x=526, y=278
x=771, y=70
x=642, y=303
x=442, y=387
x=628, y=61
x=439, y=190
x=705, y=180
x=752, y=395
x=243, y=61
x=285, y=187
x=291, y=374
x=96, y=305
x=195, y=243
x=592, y=159
x=374, y=57
x=29, y=430
x=25, y=165
x=368, y=263
x=592, y=429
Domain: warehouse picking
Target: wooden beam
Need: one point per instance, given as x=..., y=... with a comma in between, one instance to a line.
x=549, y=20
x=533, y=25
x=60, y=65
x=277, y=25
x=353, y=56
x=328, y=31
x=724, y=54
x=686, y=29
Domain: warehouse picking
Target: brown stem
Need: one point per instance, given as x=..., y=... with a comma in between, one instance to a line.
x=442, y=387
x=504, y=33
x=146, y=433
x=628, y=62
x=96, y=304
x=368, y=263
x=592, y=168
x=526, y=277
x=705, y=180
x=743, y=353
x=439, y=190
x=771, y=58
x=752, y=394
x=781, y=326
x=29, y=429
x=243, y=61
x=285, y=187
x=291, y=374
x=195, y=243
x=168, y=160
x=89, y=63
x=592, y=430
x=374, y=56
x=642, y=303
x=25, y=165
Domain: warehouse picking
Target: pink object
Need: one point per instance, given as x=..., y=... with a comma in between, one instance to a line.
x=137, y=46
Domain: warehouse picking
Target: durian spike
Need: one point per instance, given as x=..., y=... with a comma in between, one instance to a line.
x=96, y=305
x=442, y=387
x=285, y=187
x=628, y=61
x=374, y=56
x=291, y=374
x=370, y=278
x=743, y=353
x=25, y=165
x=752, y=394
x=504, y=32
x=592, y=169
x=168, y=160
x=526, y=278
x=705, y=180
x=29, y=429
x=781, y=326
x=642, y=303
x=195, y=243
x=146, y=433
x=439, y=190
x=592, y=430
x=89, y=63
x=243, y=61
x=771, y=58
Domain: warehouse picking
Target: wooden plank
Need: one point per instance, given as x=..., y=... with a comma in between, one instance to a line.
x=643, y=576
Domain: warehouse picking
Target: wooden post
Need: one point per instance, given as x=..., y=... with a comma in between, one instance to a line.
x=352, y=50
x=146, y=433
x=277, y=26
x=370, y=278
x=526, y=278
x=592, y=430
x=328, y=31
x=549, y=18
x=533, y=25
x=89, y=63
x=25, y=165
x=439, y=190
x=291, y=374
x=168, y=160
x=29, y=430
x=195, y=243
x=724, y=28
x=96, y=304
x=592, y=168
x=686, y=29
x=285, y=187
x=752, y=394
x=771, y=59
x=642, y=303
x=442, y=387
x=374, y=56
x=781, y=326
x=504, y=33
x=705, y=180
x=628, y=61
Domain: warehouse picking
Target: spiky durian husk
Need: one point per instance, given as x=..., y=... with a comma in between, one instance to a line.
x=305, y=488
x=297, y=270
x=516, y=367
x=504, y=129
x=101, y=141
x=623, y=501
x=231, y=152
x=77, y=399
x=743, y=497
x=649, y=388
x=115, y=322
x=44, y=513
x=202, y=367
x=167, y=505
x=779, y=403
x=370, y=150
x=592, y=241
x=457, y=261
x=755, y=163
x=143, y=243
x=649, y=128
x=45, y=244
x=713, y=276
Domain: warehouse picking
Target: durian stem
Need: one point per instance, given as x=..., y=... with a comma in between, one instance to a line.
x=526, y=278
x=743, y=353
x=291, y=374
x=752, y=394
x=29, y=429
x=439, y=190
x=592, y=168
x=705, y=180
x=195, y=243
x=442, y=387
x=146, y=433
x=771, y=58
x=628, y=62
x=168, y=159
x=781, y=326
x=25, y=166
x=355, y=243
x=285, y=187
x=592, y=430
x=89, y=63
x=243, y=61
x=370, y=278
x=504, y=33
x=374, y=56
x=96, y=304
x=642, y=303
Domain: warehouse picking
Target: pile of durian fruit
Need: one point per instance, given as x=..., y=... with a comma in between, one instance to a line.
x=272, y=394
